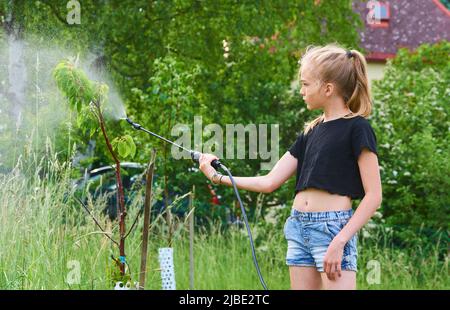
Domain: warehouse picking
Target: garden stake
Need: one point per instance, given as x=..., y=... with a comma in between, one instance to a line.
x=191, y=239
x=147, y=208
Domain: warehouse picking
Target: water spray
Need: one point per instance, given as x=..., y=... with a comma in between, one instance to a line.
x=216, y=164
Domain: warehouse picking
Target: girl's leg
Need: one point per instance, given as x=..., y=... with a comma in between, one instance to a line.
x=347, y=281
x=305, y=278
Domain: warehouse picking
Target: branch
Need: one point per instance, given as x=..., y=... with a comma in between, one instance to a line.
x=120, y=194
x=134, y=223
x=95, y=220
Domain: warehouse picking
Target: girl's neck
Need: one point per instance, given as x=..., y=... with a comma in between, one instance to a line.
x=335, y=108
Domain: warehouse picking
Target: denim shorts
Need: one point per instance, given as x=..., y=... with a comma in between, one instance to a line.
x=309, y=234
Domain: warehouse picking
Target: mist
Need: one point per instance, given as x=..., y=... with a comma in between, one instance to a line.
x=32, y=109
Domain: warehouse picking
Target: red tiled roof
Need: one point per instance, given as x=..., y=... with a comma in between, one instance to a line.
x=411, y=23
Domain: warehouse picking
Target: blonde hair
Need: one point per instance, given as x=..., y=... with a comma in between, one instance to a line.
x=347, y=70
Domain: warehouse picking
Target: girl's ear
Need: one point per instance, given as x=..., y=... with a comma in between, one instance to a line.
x=329, y=88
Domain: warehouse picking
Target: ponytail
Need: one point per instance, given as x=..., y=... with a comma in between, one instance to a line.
x=359, y=101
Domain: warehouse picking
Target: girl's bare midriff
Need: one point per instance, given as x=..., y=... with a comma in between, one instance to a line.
x=317, y=200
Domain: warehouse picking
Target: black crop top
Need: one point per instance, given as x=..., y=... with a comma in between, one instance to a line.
x=328, y=156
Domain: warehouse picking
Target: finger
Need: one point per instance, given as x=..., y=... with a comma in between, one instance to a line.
x=339, y=273
x=330, y=276
x=328, y=270
x=206, y=157
x=335, y=271
x=331, y=272
x=210, y=155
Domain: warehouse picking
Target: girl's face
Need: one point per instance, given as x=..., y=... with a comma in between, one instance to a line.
x=311, y=89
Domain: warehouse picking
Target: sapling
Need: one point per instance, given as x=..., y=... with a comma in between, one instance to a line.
x=89, y=99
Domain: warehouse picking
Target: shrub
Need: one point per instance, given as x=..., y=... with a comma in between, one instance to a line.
x=412, y=125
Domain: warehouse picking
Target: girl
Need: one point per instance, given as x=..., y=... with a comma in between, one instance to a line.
x=335, y=161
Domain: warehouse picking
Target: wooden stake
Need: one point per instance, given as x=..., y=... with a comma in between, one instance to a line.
x=191, y=239
x=147, y=209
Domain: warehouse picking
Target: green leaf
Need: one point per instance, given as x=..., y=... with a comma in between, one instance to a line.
x=123, y=150
x=130, y=144
x=125, y=146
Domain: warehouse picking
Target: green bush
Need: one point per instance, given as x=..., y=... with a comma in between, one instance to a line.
x=411, y=108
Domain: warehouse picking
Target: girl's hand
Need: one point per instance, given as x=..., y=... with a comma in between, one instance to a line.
x=205, y=164
x=333, y=258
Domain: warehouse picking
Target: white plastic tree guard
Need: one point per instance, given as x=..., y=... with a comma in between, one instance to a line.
x=167, y=268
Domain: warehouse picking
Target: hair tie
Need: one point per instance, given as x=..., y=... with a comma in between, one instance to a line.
x=349, y=54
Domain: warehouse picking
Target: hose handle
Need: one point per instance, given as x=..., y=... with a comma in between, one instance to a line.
x=196, y=158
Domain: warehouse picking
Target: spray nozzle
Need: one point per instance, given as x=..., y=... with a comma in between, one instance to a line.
x=135, y=125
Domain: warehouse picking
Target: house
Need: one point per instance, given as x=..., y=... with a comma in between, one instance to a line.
x=390, y=25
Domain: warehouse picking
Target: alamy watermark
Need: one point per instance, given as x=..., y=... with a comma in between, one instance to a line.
x=374, y=274
x=257, y=141
x=74, y=275
x=74, y=12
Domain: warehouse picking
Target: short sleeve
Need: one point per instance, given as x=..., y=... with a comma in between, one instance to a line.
x=296, y=146
x=363, y=136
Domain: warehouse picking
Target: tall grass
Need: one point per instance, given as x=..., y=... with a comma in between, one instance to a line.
x=45, y=235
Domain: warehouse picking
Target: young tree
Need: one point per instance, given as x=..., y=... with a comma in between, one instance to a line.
x=84, y=96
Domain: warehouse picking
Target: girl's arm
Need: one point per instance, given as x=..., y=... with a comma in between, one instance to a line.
x=370, y=177
x=283, y=170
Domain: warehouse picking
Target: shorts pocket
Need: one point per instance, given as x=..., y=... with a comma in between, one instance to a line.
x=353, y=244
x=286, y=226
x=334, y=227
